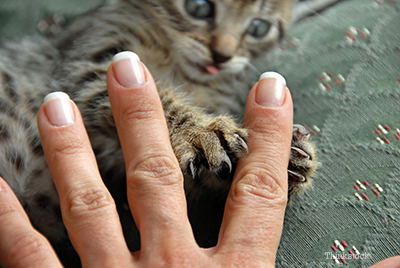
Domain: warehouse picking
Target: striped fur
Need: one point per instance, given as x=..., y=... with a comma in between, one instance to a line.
x=173, y=45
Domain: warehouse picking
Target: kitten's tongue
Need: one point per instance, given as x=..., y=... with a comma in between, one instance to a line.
x=211, y=69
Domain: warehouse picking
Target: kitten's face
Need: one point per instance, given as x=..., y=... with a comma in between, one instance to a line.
x=210, y=38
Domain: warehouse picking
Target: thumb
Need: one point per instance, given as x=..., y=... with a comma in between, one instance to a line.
x=257, y=200
x=269, y=116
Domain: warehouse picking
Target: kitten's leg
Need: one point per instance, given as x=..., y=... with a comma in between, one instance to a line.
x=201, y=141
x=303, y=160
x=207, y=147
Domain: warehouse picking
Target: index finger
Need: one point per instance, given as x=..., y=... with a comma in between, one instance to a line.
x=256, y=204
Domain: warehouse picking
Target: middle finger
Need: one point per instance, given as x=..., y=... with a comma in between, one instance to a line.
x=154, y=178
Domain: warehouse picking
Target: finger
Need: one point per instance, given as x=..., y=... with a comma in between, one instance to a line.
x=21, y=245
x=87, y=207
x=256, y=203
x=154, y=179
x=393, y=262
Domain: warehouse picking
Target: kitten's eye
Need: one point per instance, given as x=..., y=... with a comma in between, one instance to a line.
x=258, y=28
x=200, y=9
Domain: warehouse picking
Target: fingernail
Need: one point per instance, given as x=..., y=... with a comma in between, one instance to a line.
x=128, y=69
x=58, y=109
x=271, y=90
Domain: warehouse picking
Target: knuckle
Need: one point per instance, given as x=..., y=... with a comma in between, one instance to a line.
x=161, y=170
x=178, y=258
x=82, y=202
x=68, y=146
x=266, y=127
x=260, y=184
x=265, y=134
x=27, y=248
x=6, y=209
x=145, y=111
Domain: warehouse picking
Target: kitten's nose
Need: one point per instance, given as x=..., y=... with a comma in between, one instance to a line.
x=223, y=47
x=219, y=56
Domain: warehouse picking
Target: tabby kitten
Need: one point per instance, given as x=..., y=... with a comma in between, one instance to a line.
x=199, y=51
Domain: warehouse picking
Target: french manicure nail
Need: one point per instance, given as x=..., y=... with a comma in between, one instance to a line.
x=58, y=109
x=271, y=90
x=128, y=69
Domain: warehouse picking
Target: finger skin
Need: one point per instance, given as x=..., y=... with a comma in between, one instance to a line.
x=393, y=262
x=87, y=207
x=154, y=179
x=253, y=219
x=21, y=245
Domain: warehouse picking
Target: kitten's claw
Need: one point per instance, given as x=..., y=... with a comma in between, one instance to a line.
x=242, y=142
x=211, y=149
x=301, y=132
x=192, y=168
x=228, y=162
x=303, y=160
x=296, y=176
x=301, y=152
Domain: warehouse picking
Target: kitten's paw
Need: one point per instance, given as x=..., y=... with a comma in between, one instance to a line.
x=303, y=160
x=213, y=147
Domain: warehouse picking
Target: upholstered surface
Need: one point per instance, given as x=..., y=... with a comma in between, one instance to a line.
x=21, y=17
x=346, y=112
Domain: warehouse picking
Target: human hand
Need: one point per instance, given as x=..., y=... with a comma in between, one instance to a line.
x=392, y=262
x=252, y=223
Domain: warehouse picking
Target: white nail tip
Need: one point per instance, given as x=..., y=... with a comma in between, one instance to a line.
x=275, y=75
x=56, y=95
x=125, y=55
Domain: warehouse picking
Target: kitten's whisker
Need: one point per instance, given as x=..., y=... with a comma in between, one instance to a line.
x=253, y=67
x=307, y=8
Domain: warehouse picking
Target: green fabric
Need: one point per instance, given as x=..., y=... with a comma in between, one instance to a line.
x=347, y=116
x=21, y=17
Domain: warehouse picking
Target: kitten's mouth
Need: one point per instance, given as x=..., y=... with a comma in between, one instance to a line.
x=212, y=69
x=207, y=69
